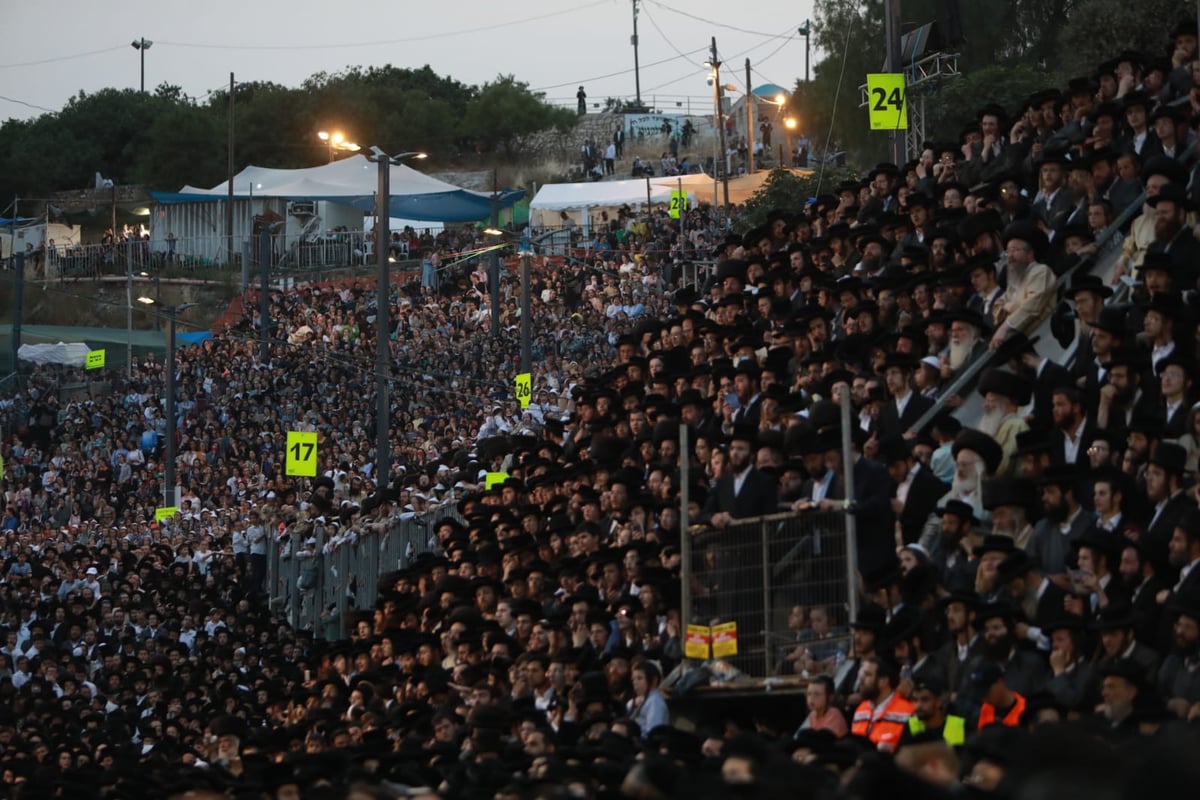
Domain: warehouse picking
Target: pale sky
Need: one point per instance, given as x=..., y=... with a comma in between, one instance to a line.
x=553, y=45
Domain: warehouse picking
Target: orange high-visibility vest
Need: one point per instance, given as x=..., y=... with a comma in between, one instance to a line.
x=882, y=724
x=987, y=714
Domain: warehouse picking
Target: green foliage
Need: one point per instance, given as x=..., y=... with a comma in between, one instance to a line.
x=790, y=192
x=1099, y=29
x=505, y=110
x=958, y=101
x=1007, y=44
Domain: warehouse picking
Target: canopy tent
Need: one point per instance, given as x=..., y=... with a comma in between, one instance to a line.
x=353, y=181
x=770, y=91
x=71, y=354
x=613, y=194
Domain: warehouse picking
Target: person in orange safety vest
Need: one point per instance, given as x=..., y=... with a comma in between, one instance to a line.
x=883, y=714
x=1001, y=705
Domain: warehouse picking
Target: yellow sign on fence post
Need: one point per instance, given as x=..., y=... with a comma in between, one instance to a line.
x=679, y=204
x=494, y=479
x=165, y=512
x=524, y=388
x=696, y=644
x=887, y=102
x=95, y=359
x=301, y=456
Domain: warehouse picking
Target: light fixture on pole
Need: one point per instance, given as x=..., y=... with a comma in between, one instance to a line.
x=337, y=141
x=383, y=306
x=142, y=45
x=171, y=313
x=157, y=294
x=804, y=30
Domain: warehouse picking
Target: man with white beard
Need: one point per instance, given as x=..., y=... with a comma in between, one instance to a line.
x=1004, y=393
x=976, y=456
x=1031, y=291
x=966, y=341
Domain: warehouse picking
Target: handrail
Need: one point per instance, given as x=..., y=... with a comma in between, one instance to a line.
x=968, y=373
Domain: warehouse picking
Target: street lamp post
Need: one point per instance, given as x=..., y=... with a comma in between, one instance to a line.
x=157, y=294
x=337, y=141
x=171, y=313
x=804, y=31
x=142, y=44
x=383, y=194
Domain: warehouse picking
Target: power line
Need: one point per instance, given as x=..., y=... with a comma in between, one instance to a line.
x=666, y=7
x=57, y=59
x=386, y=42
x=669, y=42
x=30, y=105
x=618, y=73
x=745, y=52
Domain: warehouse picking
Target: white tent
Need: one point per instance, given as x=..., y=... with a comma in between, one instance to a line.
x=72, y=354
x=611, y=194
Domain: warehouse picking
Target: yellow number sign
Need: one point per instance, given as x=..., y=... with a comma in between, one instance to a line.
x=494, y=479
x=165, y=513
x=887, y=104
x=301, y=456
x=524, y=388
x=95, y=359
x=679, y=204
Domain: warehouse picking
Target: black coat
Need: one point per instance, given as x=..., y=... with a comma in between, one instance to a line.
x=891, y=423
x=1159, y=533
x=873, y=514
x=923, y=495
x=759, y=496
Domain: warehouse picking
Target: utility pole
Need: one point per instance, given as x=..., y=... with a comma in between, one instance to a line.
x=719, y=119
x=637, y=75
x=494, y=265
x=229, y=192
x=383, y=313
x=804, y=31
x=142, y=44
x=264, y=300
x=18, y=261
x=892, y=30
x=750, y=124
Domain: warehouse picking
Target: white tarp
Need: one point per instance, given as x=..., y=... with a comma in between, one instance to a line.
x=353, y=176
x=71, y=354
x=612, y=194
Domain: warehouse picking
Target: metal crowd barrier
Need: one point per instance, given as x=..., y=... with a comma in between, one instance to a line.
x=318, y=592
x=754, y=572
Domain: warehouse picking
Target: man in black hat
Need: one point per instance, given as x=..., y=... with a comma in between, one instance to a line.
x=1030, y=295
x=1052, y=203
x=1004, y=394
x=904, y=406
x=1175, y=376
x=1172, y=504
x=744, y=492
x=917, y=489
x=1156, y=173
x=1065, y=520
x=1178, y=678
x=1173, y=234
x=1115, y=625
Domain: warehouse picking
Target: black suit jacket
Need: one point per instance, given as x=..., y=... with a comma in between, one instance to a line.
x=891, y=423
x=1053, y=376
x=1159, y=533
x=1058, y=444
x=759, y=495
x=873, y=515
x=923, y=495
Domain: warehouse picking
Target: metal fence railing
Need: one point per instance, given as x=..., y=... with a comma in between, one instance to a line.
x=752, y=575
x=316, y=586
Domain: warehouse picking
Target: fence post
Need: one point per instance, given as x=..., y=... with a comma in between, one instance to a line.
x=766, y=597
x=848, y=478
x=685, y=538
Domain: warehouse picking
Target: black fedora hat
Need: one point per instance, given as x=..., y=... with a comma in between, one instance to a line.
x=1017, y=388
x=1087, y=282
x=1170, y=456
x=982, y=445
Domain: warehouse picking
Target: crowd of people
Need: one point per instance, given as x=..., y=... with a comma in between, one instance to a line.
x=1028, y=537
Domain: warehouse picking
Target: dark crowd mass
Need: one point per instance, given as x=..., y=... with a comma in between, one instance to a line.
x=1028, y=536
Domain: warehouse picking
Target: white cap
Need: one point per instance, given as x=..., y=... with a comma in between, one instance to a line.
x=92, y=571
x=931, y=361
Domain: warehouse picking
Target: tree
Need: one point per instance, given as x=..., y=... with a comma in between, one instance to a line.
x=786, y=190
x=1099, y=29
x=505, y=110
